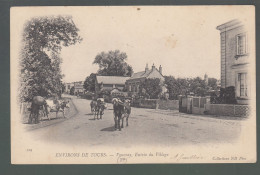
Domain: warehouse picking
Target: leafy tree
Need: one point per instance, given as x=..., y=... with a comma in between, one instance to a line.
x=151, y=87
x=198, y=86
x=179, y=86
x=212, y=83
x=89, y=83
x=113, y=63
x=185, y=86
x=43, y=39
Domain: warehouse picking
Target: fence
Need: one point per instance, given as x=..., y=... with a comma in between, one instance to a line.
x=228, y=110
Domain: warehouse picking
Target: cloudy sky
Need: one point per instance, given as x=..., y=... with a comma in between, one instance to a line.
x=183, y=39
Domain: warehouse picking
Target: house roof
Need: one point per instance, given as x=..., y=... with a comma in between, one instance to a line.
x=229, y=25
x=111, y=79
x=141, y=74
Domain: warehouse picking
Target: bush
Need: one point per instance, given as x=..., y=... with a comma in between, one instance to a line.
x=227, y=96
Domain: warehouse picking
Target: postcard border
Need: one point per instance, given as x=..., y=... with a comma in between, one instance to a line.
x=5, y=146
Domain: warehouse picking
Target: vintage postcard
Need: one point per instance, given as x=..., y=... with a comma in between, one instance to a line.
x=133, y=84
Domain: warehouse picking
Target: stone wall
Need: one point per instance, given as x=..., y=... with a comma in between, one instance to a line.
x=227, y=110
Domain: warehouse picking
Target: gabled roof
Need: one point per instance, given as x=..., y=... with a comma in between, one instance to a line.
x=111, y=79
x=141, y=74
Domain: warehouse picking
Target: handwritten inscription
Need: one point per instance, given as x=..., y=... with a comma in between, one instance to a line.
x=179, y=157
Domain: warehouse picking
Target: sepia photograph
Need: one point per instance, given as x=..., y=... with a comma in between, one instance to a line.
x=133, y=84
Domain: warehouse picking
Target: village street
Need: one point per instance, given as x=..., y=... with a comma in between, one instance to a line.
x=146, y=127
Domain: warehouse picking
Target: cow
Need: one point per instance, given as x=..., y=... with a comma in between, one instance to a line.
x=38, y=103
x=93, y=105
x=57, y=106
x=118, y=107
x=127, y=112
x=99, y=108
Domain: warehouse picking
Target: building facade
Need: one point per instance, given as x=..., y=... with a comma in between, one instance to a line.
x=79, y=89
x=68, y=86
x=109, y=83
x=235, y=59
x=133, y=83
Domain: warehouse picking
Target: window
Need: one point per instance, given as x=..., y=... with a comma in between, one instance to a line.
x=242, y=84
x=242, y=44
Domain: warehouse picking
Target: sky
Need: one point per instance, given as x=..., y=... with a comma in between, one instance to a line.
x=182, y=39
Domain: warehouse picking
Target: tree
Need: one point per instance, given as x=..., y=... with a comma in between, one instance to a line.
x=179, y=86
x=212, y=83
x=185, y=86
x=198, y=86
x=113, y=63
x=151, y=87
x=89, y=83
x=43, y=39
x=72, y=90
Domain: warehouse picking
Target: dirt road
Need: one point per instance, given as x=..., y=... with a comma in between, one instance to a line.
x=146, y=127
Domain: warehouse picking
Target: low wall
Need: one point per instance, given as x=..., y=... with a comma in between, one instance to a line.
x=227, y=110
x=151, y=104
x=168, y=104
x=157, y=104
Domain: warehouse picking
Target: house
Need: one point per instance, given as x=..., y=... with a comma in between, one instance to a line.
x=68, y=86
x=134, y=82
x=110, y=83
x=235, y=59
x=79, y=89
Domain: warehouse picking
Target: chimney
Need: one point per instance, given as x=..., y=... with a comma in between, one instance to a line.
x=153, y=67
x=146, y=68
x=160, y=69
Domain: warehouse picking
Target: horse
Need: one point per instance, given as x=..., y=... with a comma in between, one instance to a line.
x=118, y=107
x=38, y=102
x=99, y=108
x=127, y=112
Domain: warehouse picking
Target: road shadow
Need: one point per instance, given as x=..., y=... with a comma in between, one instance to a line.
x=43, y=120
x=89, y=114
x=92, y=119
x=109, y=129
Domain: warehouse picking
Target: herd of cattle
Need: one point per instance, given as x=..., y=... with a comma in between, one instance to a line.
x=121, y=108
x=46, y=106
